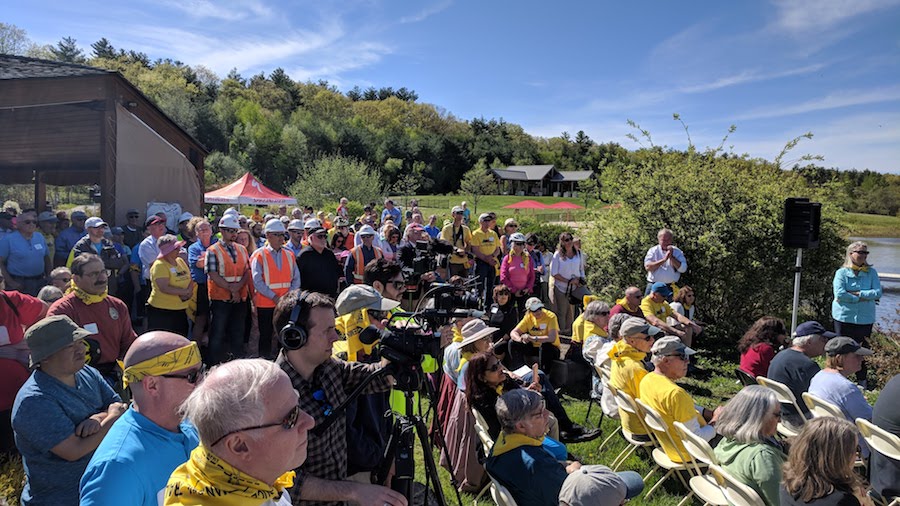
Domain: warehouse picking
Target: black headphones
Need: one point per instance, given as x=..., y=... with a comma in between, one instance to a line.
x=293, y=336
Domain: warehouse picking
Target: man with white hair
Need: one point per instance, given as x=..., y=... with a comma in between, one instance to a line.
x=275, y=273
x=664, y=262
x=252, y=435
x=133, y=462
x=795, y=368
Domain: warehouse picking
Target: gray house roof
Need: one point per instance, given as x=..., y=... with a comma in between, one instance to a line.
x=20, y=67
x=540, y=172
x=571, y=175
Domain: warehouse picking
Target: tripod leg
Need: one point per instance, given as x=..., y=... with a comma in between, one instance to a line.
x=405, y=464
x=380, y=475
x=431, y=471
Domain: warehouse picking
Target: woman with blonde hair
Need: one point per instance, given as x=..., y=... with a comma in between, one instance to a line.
x=567, y=276
x=856, y=291
x=819, y=469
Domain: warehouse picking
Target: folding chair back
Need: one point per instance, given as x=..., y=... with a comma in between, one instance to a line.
x=745, y=378
x=501, y=494
x=736, y=492
x=481, y=429
x=785, y=396
x=696, y=445
x=879, y=439
x=656, y=423
x=820, y=407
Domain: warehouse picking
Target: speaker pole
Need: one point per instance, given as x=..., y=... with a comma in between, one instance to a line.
x=797, y=270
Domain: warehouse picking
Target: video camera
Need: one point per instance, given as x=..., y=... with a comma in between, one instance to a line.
x=424, y=257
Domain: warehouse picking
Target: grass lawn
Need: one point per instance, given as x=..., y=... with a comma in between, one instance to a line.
x=872, y=225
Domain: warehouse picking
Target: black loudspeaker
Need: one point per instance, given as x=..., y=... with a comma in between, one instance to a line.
x=802, y=220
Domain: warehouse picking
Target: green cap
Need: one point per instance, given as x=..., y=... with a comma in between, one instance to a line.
x=51, y=335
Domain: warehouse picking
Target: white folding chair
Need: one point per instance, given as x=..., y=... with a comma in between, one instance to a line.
x=820, y=407
x=735, y=492
x=785, y=396
x=658, y=431
x=501, y=494
x=704, y=485
x=486, y=442
x=879, y=439
x=626, y=403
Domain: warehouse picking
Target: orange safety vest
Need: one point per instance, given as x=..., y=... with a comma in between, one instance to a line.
x=359, y=267
x=228, y=269
x=279, y=280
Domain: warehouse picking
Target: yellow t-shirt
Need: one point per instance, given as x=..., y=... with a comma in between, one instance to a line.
x=625, y=374
x=462, y=241
x=673, y=404
x=539, y=326
x=582, y=328
x=661, y=310
x=179, y=276
x=488, y=243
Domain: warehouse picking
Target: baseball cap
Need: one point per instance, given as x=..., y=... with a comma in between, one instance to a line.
x=275, y=226
x=229, y=221
x=597, y=485
x=457, y=209
x=362, y=296
x=167, y=247
x=661, y=288
x=843, y=345
x=47, y=216
x=517, y=237
x=533, y=304
x=52, y=334
x=812, y=327
x=78, y=215
x=484, y=217
x=117, y=231
x=475, y=330
x=365, y=230
x=669, y=345
x=509, y=221
x=185, y=216
x=633, y=326
x=295, y=225
x=154, y=219
x=95, y=222
x=132, y=212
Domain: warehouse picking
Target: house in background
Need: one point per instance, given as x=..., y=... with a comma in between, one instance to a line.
x=539, y=180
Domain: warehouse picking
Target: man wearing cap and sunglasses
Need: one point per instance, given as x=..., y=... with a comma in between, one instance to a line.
x=795, y=367
x=659, y=390
x=132, y=229
x=95, y=242
x=361, y=255
x=319, y=268
x=536, y=334
x=275, y=273
x=627, y=366
x=460, y=237
x=228, y=268
x=252, y=433
x=24, y=258
x=133, y=463
x=61, y=413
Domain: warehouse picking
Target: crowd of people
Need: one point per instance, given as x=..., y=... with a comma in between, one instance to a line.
x=255, y=329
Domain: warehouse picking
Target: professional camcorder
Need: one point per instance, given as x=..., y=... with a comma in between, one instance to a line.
x=423, y=257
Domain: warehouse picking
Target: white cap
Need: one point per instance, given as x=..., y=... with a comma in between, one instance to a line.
x=313, y=223
x=295, y=225
x=365, y=230
x=185, y=216
x=229, y=221
x=275, y=226
x=517, y=237
x=94, y=222
x=457, y=209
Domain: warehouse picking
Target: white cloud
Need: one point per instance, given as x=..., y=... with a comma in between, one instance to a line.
x=833, y=100
x=802, y=17
x=749, y=76
x=221, y=10
x=427, y=12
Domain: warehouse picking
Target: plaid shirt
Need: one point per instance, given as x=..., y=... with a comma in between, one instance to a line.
x=327, y=454
x=212, y=263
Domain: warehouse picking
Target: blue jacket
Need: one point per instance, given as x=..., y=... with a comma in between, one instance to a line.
x=532, y=475
x=856, y=309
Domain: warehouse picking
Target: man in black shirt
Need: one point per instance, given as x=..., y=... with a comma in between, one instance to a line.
x=794, y=366
x=319, y=269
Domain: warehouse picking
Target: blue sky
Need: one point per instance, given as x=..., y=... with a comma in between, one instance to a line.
x=775, y=69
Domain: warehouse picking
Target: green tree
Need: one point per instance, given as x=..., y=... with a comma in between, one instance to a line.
x=477, y=182
x=332, y=177
x=13, y=40
x=103, y=49
x=67, y=51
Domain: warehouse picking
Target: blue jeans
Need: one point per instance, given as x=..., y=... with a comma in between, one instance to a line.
x=226, y=330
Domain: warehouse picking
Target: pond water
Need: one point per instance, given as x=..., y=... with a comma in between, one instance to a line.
x=884, y=255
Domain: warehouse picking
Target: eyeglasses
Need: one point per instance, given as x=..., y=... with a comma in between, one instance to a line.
x=604, y=313
x=228, y=230
x=861, y=252
x=192, y=377
x=287, y=423
x=494, y=367
x=64, y=280
x=28, y=222
x=646, y=337
x=777, y=415
x=96, y=274
x=319, y=396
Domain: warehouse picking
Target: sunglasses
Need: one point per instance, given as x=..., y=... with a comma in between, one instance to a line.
x=857, y=252
x=192, y=377
x=513, y=226
x=319, y=396
x=228, y=230
x=494, y=367
x=645, y=338
x=286, y=423
x=398, y=284
x=681, y=356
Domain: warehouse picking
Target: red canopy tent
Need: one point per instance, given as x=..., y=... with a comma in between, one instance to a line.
x=564, y=205
x=526, y=204
x=247, y=190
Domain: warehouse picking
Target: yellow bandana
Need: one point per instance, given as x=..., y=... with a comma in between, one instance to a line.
x=859, y=268
x=507, y=442
x=624, y=303
x=207, y=480
x=87, y=298
x=175, y=360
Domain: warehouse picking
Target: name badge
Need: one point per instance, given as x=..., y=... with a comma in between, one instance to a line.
x=91, y=327
x=38, y=247
x=543, y=326
x=173, y=270
x=4, y=335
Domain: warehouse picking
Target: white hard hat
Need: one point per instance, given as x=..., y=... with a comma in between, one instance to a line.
x=275, y=226
x=229, y=221
x=365, y=230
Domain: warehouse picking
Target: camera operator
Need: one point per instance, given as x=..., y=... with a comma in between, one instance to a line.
x=323, y=383
x=418, y=255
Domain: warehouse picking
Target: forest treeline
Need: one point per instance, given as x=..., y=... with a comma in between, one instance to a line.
x=277, y=128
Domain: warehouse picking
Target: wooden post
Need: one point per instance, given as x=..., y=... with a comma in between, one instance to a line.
x=40, y=192
x=108, y=136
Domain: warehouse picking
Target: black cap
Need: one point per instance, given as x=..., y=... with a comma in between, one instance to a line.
x=812, y=328
x=843, y=345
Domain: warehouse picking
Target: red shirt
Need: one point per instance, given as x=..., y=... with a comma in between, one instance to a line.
x=109, y=320
x=12, y=327
x=757, y=359
x=12, y=376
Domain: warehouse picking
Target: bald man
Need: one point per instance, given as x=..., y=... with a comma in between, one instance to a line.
x=134, y=461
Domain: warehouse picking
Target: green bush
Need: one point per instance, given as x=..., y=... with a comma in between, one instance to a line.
x=330, y=178
x=726, y=214
x=12, y=479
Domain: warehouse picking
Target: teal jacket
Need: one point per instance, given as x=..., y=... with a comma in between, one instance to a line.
x=856, y=309
x=757, y=465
